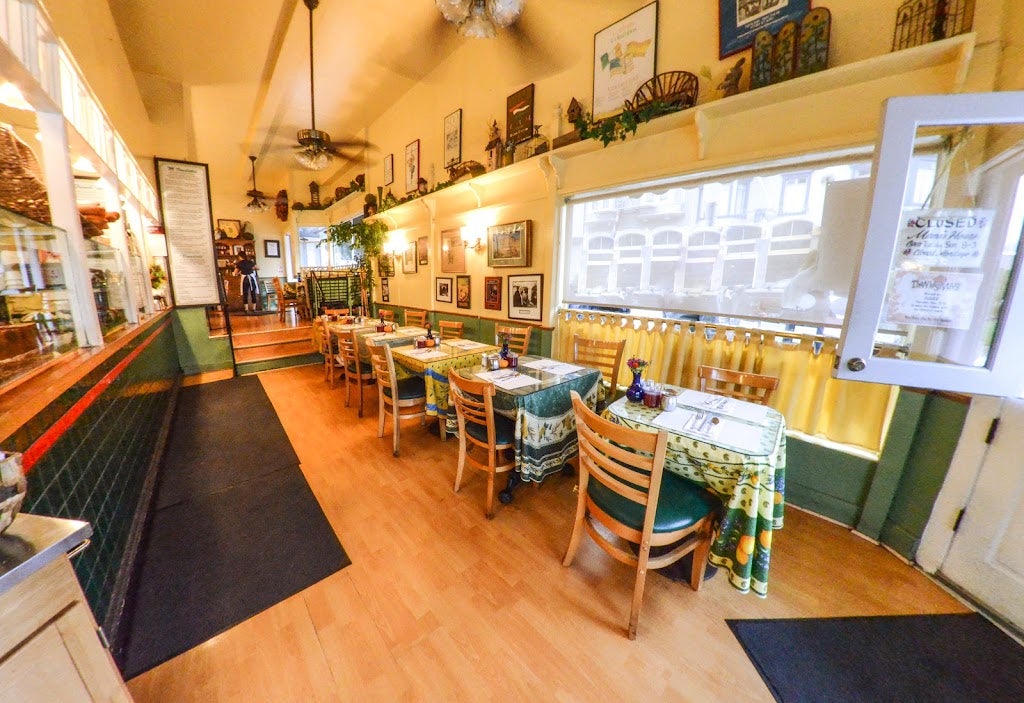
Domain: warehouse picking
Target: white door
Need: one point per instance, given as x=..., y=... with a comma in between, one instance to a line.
x=986, y=557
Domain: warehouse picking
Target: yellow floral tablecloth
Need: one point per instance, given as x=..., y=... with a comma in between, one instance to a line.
x=435, y=371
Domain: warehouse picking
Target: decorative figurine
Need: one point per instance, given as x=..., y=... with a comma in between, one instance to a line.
x=370, y=205
x=494, y=147
x=730, y=85
x=281, y=205
x=421, y=186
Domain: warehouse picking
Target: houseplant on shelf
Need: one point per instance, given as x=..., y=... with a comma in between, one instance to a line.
x=635, y=392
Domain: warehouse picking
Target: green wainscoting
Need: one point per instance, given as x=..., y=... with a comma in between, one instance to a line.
x=196, y=351
x=826, y=481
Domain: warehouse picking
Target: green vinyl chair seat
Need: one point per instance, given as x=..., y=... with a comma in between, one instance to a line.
x=682, y=504
x=504, y=430
x=409, y=388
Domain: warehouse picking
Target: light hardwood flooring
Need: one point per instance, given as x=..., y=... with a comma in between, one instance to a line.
x=441, y=604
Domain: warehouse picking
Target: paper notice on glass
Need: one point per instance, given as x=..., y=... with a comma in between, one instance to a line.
x=741, y=409
x=933, y=299
x=725, y=432
x=507, y=380
x=955, y=237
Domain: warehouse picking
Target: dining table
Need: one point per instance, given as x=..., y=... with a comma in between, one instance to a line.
x=736, y=449
x=536, y=395
x=432, y=363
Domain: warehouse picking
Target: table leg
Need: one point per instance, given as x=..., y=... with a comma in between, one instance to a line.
x=505, y=496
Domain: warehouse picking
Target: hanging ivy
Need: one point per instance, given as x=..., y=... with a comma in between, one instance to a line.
x=622, y=125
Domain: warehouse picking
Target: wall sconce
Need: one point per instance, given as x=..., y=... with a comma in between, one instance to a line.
x=473, y=238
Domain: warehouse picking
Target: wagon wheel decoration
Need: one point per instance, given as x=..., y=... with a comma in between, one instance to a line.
x=676, y=90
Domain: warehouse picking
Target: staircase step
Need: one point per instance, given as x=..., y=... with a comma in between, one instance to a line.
x=257, y=344
x=262, y=352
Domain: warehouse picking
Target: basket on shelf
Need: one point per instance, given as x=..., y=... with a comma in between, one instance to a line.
x=675, y=90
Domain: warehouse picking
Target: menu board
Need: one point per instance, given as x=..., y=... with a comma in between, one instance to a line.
x=184, y=189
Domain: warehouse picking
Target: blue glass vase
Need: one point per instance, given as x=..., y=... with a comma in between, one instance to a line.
x=635, y=392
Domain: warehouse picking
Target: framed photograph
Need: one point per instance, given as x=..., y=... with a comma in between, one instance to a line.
x=509, y=245
x=492, y=292
x=412, y=166
x=386, y=265
x=409, y=258
x=453, y=138
x=519, y=115
x=232, y=229
x=422, y=255
x=525, y=297
x=740, y=20
x=443, y=290
x=624, y=59
x=238, y=249
x=453, y=252
x=462, y=298
x=385, y=290
x=389, y=169
x=272, y=248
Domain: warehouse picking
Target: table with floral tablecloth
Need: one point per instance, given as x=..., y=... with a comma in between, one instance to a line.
x=738, y=450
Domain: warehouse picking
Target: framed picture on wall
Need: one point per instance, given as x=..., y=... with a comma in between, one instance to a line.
x=272, y=248
x=525, y=297
x=443, y=290
x=412, y=166
x=389, y=169
x=509, y=245
x=739, y=21
x=385, y=290
x=386, y=265
x=453, y=252
x=422, y=255
x=462, y=297
x=624, y=59
x=519, y=115
x=409, y=258
x=232, y=229
x=453, y=138
x=492, y=292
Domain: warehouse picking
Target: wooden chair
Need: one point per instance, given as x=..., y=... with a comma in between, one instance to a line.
x=518, y=337
x=386, y=314
x=334, y=363
x=401, y=399
x=480, y=429
x=751, y=387
x=606, y=356
x=450, y=329
x=357, y=372
x=336, y=312
x=322, y=345
x=415, y=318
x=284, y=304
x=624, y=487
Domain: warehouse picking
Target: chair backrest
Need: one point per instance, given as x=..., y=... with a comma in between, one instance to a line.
x=474, y=403
x=752, y=387
x=606, y=356
x=349, y=347
x=337, y=311
x=319, y=336
x=626, y=461
x=278, y=287
x=518, y=337
x=386, y=314
x=415, y=318
x=384, y=368
x=450, y=329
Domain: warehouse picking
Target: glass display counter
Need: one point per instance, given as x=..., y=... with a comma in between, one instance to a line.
x=109, y=284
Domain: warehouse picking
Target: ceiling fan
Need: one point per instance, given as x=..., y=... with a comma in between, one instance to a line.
x=258, y=199
x=316, y=150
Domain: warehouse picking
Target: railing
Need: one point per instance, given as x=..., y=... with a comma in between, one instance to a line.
x=813, y=403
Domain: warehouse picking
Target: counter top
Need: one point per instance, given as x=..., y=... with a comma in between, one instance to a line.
x=32, y=542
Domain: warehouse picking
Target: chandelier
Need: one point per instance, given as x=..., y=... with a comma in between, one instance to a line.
x=477, y=18
x=258, y=202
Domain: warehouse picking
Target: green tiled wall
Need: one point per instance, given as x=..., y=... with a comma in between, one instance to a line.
x=95, y=471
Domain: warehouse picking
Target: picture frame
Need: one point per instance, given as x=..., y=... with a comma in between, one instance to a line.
x=232, y=229
x=462, y=292
x=526, y=297
x=386, y=265
x=625, y=57
x=443, y=290
x=412, y=166
x=519, y=115
x=739, y=21
x=238, y=249
x=385, y=290
x=492, y=292
x=422, y=251
x=509, y=244
x=409, y=258
x=272, y=248
x=453, y=251
x=453, y=138
x=389, y=169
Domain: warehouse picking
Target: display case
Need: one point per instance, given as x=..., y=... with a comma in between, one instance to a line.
x=109, y=284
x=35, y=305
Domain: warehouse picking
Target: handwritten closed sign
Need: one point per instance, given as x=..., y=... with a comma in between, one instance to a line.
x=945, y=237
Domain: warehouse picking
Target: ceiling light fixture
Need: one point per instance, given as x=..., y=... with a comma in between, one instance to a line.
x=315, y=154
x=258, y=202
x=477, y=18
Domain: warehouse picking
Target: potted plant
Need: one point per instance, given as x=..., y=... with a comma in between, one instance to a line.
x=157, y=276
x=366, y=240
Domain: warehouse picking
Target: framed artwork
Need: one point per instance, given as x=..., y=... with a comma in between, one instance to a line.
x=386, y=265
x=740, y=20
x=272, y=248
x=519, y=115
x=453, y=138
x=492, y=292
x=232, y=229
x=389, y=169
x=409, y=258
x=412, y=166
x=385, y=290
x=238, y=249
x=453, y=252
x=624, y=59
x=462, y=298
x=525, y=296
x=509, y=245
x=422, y=255
x=443, y=290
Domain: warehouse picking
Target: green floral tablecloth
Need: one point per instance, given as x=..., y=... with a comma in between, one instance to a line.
x=435, y=373
x=750, y=481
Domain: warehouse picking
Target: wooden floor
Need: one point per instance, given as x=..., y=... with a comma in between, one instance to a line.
x=441, y=604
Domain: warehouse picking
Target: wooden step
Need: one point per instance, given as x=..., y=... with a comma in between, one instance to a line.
x=272, y=350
